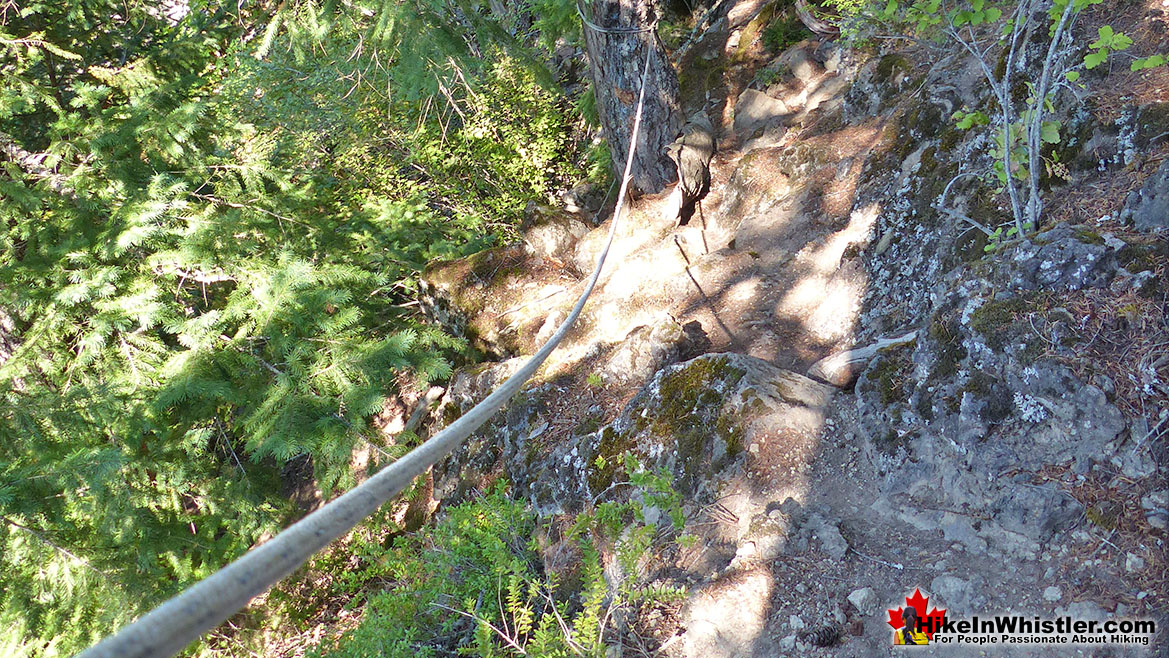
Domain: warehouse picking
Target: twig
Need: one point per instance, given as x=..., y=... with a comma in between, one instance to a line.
x=1035, y=130
x=512, y=643
x=954, y=213
x=1155, y=430
x=54, y=545
x=896, y=565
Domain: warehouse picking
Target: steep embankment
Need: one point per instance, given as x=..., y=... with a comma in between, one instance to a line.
x=1001, y=453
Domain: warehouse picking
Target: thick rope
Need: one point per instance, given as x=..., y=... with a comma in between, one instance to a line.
x=612, y=30
x=170, y=627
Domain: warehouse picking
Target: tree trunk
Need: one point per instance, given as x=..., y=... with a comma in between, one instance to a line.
x=616, y=60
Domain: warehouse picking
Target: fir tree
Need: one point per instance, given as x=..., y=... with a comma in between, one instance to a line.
x=211, y=228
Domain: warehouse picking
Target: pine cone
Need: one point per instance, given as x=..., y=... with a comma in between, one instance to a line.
x=823, y=636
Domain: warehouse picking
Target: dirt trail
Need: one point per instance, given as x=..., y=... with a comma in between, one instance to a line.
x=773, y=266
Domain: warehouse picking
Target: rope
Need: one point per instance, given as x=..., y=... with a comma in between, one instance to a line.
x=612, y=30
x=170, y=627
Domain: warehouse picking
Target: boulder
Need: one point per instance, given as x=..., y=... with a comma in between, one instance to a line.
x=1060, y=259
x=1147, y=209
x=552, y=234
x=648, y=348
x=756, y=111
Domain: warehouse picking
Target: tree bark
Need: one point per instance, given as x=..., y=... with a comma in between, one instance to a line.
x=616, y=60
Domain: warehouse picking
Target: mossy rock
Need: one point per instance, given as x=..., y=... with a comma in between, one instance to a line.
x=1152, y=121
x=991, y=390
x=692, y=404
x=946, y=332
x=1138, y=257
x=696, y=418
x=889, y=66
x=996, y=320
x=892, y=373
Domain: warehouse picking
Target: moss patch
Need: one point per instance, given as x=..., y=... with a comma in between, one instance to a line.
x=1138, y=258
x=610, y=459
x=970, y=246
x=892, y=375
x=1153, y=120
x=752, y=31
x=995, y=320
x=889, y=66
x=998, y=398
x=891, y=440
x=1089, y=236
x=701, y=76
x=945, y=331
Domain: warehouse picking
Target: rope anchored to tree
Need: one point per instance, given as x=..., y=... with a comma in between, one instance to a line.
x=170, y=627
x=614, y=30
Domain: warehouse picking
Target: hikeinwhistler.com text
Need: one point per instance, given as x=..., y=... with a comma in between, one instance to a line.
x=1016, y=629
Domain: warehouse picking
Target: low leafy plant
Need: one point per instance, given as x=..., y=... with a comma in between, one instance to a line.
x=474, y=583
x=997, y=237
x=995, y=34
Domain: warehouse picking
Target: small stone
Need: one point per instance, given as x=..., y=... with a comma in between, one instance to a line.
x=839, y=616
x=746, y=551
x=801, y=588
x=865, y=600
x=1148, y=208
x=1052, y=594
x=1087, y=610
x=788, y=643
x=1138, y=465
x=1155, y=500
x=1158, y=520
x=954, y=591
x=796, y=623
x=1133, y=562
x=828, y=533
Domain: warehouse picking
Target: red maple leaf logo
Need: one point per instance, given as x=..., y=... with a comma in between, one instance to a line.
x=919, y=603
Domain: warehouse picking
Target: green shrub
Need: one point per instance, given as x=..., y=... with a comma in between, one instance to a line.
x=474, y=582
x=785, y=30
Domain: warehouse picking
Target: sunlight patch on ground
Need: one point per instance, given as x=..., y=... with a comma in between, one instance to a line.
x=827, y=298
x=721, y=620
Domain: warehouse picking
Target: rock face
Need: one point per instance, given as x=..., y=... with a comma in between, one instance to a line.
x=1148, y=207
x=696, y=420
x=965, y=418
x=755, y=110
x=975, y=433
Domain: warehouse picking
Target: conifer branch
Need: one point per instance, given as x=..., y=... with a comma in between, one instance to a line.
x=239, y=206
x=33, y=165
x=54, y=545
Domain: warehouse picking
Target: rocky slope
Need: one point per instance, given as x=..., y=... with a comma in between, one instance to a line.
x=1006, y=452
